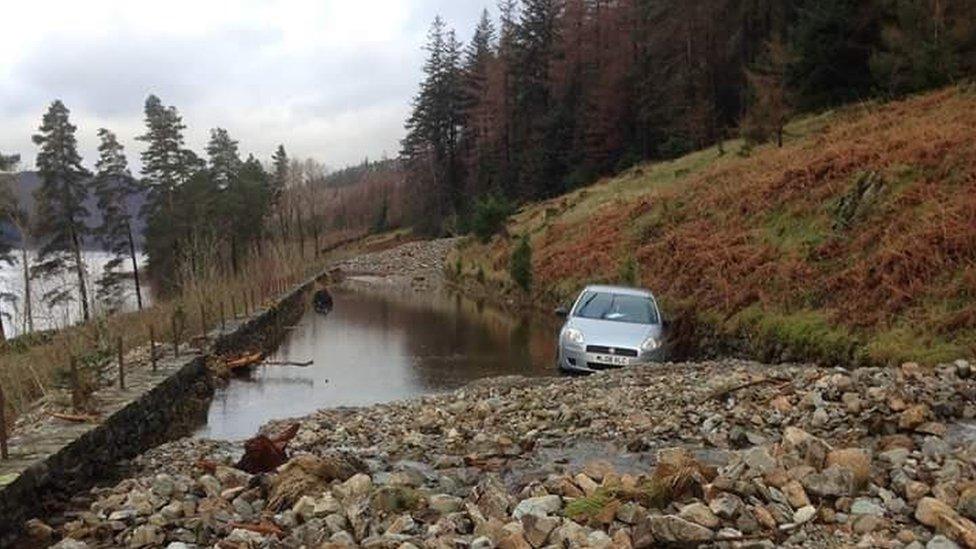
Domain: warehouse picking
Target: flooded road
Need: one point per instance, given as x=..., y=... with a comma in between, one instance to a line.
x=375, y=348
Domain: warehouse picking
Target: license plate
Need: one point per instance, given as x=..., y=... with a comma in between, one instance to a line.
x=612, y=359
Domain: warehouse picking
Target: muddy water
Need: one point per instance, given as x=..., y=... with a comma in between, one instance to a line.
x=374, y=348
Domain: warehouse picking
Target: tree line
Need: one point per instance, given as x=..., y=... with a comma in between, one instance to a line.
x=555, y=93
x=203, y=216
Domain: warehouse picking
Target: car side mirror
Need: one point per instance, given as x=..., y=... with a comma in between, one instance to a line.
x=561, y=312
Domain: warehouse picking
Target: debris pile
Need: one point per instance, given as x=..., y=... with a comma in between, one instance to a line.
x=724, y=453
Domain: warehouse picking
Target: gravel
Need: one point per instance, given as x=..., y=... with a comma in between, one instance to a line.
x=724, y=452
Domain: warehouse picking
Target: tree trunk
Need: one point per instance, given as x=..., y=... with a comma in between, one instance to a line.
x=233, y=255
x=301, y=235
x=135, y=265
x=28, y=306
x=80, y=269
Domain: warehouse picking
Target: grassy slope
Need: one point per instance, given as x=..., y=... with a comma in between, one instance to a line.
x=854, y=242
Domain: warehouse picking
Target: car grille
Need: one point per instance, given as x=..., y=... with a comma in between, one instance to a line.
x=610, y=350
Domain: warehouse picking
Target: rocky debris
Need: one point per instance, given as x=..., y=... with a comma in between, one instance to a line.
x=417, y=266
x=505, y=463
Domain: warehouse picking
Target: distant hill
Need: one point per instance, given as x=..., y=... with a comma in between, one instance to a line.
x=24, y=186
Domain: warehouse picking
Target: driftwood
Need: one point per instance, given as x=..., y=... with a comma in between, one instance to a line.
x=288, y=363
x=263, y=453
x=722, y=393
x=76, y=418
x=244, y=361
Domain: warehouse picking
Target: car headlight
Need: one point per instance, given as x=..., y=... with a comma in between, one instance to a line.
x=650, y=344
x=574, y=336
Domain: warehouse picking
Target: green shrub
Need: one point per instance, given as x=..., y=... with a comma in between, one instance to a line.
x=490, y=213
x=521, y=267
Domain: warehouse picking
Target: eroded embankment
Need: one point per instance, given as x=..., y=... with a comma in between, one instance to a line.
x=56, y=457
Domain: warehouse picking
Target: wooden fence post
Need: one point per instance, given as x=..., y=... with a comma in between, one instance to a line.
x=152, y=348
x=176, y=338
x=203, y=319
x=3, y=427
x=76, y=396
x=121, y=366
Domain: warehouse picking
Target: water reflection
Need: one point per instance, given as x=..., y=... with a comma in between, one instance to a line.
x=373, y=349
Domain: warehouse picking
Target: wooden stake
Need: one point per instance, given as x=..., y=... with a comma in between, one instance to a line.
x=223, y=323
x=152, y=348
x=176, y=338
x=233, y=306
x=75, y=384
x=121, y=366
x=254, y=303
x=3, y=427
x=203, y=319
x=247, y=306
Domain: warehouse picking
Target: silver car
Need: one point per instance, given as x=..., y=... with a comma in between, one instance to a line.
x=610, y=327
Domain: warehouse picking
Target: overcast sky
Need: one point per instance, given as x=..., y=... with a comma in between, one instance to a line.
x=331, y=79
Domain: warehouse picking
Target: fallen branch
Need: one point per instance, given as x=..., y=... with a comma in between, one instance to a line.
x=76, y=418
x=243, y=361
x=287, y=363
x=722, y=393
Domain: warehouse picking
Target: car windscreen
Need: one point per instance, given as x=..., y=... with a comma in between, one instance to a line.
x=635, y=309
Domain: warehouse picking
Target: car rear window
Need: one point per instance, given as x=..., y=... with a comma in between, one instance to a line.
x=617, y=307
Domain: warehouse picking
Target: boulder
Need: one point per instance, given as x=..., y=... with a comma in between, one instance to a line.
x=537, y=528
x=701, y=514
x=831, y=482
x=855, y=460
x=945, y=520
x=912, y=417
x=674, y=529
x=542, y=506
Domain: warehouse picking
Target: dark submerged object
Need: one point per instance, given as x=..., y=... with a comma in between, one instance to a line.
x=322, y=300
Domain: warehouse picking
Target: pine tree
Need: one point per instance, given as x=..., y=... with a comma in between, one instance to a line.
x=431, y=144
x=166, y=164
x=60, y=206
x=23, y=224
x=924, y=44
x=224, y=158
x=114, y=187
x=279, y=179
x=832, y=41
x=535, y=41
x=224, y=166
x=480, y=160
x=166, y=167
x=9, y=209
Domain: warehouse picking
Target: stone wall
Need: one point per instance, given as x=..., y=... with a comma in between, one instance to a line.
x=156, y=406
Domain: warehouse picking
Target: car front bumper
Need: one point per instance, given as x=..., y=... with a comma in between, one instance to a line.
x=577, y=360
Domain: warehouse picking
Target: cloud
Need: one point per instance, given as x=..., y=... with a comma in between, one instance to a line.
x=331, y=79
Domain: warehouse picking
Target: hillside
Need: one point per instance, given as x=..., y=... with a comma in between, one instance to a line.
x=25, y=184
x=854, y=242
